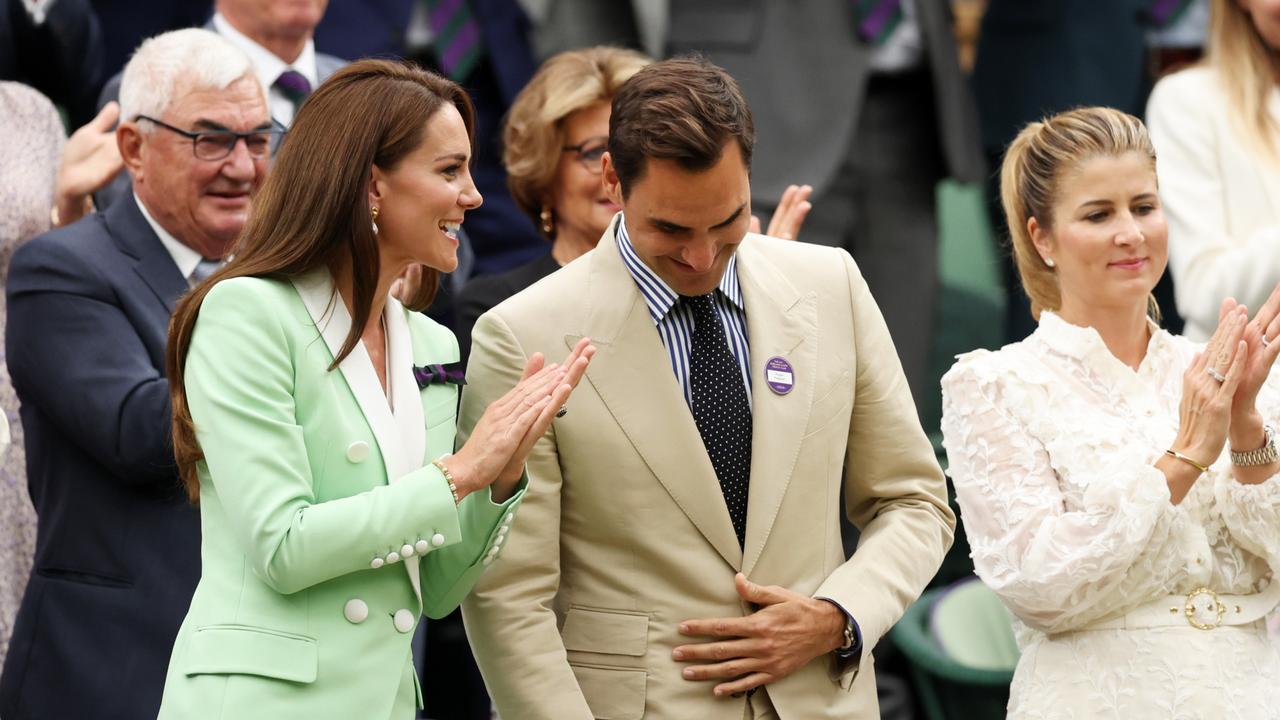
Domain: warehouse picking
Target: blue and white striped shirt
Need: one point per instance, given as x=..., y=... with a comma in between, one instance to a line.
x=674, y=320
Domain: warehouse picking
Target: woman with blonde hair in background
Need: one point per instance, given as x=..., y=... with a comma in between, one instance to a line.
x=1118, y=484
x=556, y=135
x=1217, y=128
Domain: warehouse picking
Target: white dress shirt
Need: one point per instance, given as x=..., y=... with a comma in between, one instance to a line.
x=269, y=67
x=183, y=255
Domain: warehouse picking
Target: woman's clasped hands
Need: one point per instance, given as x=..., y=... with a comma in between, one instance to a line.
x=494, y=455
x=1220, y=388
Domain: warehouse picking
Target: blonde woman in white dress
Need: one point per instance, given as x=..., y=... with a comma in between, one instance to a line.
x=1119, y=484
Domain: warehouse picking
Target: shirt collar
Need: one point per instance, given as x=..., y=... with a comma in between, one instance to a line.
x=1085, y=342
x=183, y=256
x=658, y=295
x=266, y=64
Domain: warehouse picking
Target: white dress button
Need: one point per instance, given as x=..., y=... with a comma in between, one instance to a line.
x=403, y=620
x=422, y=547
x=437, y=540
x=356, y=611
x=358, y=451
x=406, y=551
x=393, y=557
x=377, y=563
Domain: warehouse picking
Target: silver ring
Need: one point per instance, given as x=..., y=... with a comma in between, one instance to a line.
x=562, y=411
x=1216, y=375
x=1265, y=341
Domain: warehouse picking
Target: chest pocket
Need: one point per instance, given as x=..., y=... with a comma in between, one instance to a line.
x=440, y=414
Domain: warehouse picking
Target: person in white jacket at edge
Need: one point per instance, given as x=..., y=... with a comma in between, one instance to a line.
x=1216, y=126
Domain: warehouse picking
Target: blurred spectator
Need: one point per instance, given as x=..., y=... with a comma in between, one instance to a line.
x=1176, y=39
x=1039, y=57
x=866, y=102
x=277, y=37
x=32, y=182
x=556, y=133
x=482, y=45
x=117, y=549
x=55, y=46
x=1217, y=130
x=126, y=23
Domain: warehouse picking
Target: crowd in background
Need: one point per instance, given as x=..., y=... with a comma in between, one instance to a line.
x=861, y=110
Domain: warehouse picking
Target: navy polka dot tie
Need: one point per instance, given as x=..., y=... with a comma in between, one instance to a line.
x=720, y=408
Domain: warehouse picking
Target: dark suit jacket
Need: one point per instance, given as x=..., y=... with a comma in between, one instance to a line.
x=483, y=293
x=118, y=544
x=501, y=236
x=1038, y=57
x=61, y=57
x=804, y=72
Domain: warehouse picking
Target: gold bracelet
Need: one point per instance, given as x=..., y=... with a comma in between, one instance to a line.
x=448, y=476
x=1187, y=460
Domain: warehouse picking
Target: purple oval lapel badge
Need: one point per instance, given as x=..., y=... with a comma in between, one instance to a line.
x=779, y=376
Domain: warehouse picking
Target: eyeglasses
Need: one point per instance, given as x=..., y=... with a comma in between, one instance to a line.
x=589, y=152
x=218, y=144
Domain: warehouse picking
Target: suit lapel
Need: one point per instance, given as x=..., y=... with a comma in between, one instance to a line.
x=334, y=322
x=153, y=263
x=411, y=428
x=780, y=323
x=632, y=375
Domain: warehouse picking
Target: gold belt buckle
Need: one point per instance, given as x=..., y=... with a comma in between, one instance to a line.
x=1190, y=609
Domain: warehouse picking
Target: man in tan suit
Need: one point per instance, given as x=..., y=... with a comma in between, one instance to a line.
x=679, y=550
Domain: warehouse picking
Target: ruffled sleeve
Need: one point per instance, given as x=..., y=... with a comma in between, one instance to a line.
x=1059, y=563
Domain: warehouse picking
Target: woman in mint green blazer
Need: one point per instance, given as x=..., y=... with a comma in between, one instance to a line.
x=313, y=419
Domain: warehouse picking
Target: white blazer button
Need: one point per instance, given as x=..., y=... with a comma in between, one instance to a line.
x=493, y=551
x=403, y=620
x=487, y=559
x=507, y=520
x=437, y=540
x=358, y=451
x=393, y=557
x=406, y=551
x=356, y=611
x=497, y=542
x=502, y=530
x=377, y=563
x=422, y=546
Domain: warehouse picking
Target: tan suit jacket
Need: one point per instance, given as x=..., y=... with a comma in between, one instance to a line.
x=624, y=531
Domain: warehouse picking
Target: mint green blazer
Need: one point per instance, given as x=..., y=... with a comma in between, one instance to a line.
x=326, y=530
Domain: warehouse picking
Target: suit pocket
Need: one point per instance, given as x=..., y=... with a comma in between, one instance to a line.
x=609, y=632
x=611, y=693
x=245, y=650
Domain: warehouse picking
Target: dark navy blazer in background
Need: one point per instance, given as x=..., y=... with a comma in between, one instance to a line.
x=118, y=544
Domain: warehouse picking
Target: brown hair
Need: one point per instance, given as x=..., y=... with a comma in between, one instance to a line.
x=313, y=210
x=1033, y=165
x=534, y=134
x=683, y=109
x=1247, y=69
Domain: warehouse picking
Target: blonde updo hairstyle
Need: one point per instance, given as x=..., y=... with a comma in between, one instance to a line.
x=534, y=136
x=1035, y=163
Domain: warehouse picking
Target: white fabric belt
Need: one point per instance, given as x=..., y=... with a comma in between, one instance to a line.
x=1202, y=608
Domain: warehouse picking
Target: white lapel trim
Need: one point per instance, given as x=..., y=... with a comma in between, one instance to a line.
x=402, y=446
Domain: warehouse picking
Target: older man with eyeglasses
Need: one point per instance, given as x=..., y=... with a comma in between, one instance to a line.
x=117, y=548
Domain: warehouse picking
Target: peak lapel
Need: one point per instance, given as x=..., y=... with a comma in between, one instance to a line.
x=154, y=265
x=632, y=374
x=334, y=322
x=780, y=323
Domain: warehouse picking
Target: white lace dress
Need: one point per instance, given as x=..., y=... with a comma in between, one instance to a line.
x=1052, y=444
